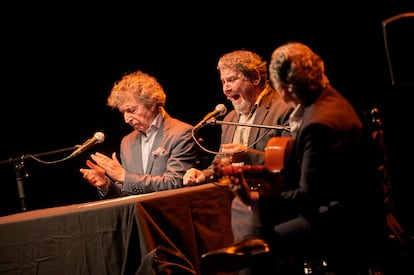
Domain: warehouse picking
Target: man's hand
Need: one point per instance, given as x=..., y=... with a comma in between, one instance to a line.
x=95, y=175
x=235, y=151
x=193, y=176
x=111, y=166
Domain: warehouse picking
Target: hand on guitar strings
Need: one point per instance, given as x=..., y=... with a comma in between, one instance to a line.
x=236, y=152
x=248, y=181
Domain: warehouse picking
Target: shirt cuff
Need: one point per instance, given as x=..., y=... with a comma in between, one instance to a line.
x=103, y=191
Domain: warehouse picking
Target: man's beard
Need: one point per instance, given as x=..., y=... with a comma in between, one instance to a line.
x=244, y=107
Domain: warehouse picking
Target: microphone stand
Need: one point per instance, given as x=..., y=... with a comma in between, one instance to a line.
x=18, y=165
x=213, y=121
x=275, y=127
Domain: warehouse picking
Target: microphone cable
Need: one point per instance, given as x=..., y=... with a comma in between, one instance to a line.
x=218, y=153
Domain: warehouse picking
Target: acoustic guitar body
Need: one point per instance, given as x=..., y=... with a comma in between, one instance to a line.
x=277, y=153
x=269, y=177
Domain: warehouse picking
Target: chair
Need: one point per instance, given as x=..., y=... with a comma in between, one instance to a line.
x=398, y=32
x=399, y=243
x=235, y=257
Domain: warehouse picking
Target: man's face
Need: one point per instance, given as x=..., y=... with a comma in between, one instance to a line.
x=238, y=89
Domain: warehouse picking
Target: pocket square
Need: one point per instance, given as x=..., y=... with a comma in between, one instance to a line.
x=160, y=151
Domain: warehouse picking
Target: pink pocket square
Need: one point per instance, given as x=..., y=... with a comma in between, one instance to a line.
x=161, y=151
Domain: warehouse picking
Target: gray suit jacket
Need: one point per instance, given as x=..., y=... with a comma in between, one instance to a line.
x=174, y=152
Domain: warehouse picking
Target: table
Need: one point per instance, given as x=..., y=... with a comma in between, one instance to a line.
x=113, y=236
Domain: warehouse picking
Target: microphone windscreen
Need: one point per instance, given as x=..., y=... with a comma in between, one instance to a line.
x=222, y=109
x=100, y=137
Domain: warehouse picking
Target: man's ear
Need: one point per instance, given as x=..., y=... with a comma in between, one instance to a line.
x=153, y=106
x=256, y=79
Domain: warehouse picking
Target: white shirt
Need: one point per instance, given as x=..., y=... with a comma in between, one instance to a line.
x=147, y=140
x=241, y=134
x=295, y=120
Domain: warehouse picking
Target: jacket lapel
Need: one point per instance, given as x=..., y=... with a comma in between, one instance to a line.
x=138, y=150
x=161, y=132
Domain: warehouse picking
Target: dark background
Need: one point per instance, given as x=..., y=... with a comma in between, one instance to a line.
x=59, y=63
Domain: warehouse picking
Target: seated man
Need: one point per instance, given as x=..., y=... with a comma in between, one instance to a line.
x=245, y=83
x=155, y=154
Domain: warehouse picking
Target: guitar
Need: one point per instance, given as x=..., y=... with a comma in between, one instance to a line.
x=267, y=178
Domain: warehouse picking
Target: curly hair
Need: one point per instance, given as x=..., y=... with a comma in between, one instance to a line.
x=139, y=85
x=248, y=63
x=295, y=66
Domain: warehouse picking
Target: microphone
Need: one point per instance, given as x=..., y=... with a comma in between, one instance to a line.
x=220, y=110
x=98, y=137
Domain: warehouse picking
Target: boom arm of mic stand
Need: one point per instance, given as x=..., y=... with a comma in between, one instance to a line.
x=275, y=127
x=12, y=160
x=18, y=165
